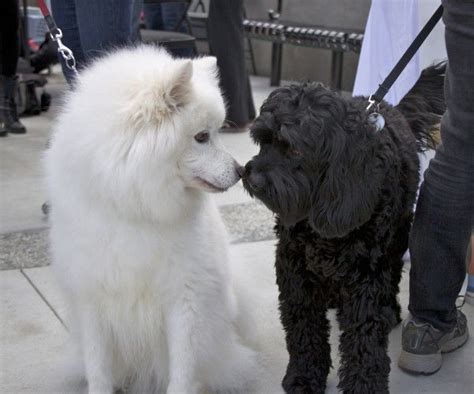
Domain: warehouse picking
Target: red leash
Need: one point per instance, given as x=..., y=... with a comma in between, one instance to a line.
x=56, y=35
x=44, y=8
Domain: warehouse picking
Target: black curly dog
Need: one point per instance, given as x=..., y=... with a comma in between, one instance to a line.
x=343, y=195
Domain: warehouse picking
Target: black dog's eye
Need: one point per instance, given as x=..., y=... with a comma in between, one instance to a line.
x=202, y=137
x=295, y=152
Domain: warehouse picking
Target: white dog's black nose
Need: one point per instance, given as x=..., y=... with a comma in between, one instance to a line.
x=240, y=170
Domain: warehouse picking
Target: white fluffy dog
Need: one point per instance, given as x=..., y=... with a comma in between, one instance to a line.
x=138, y=244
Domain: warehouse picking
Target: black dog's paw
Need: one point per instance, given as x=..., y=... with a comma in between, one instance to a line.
x=364, y=389
x=392, y=315
x=294, y=384
x=359, y=383
x=398, y=314
x=397, y=321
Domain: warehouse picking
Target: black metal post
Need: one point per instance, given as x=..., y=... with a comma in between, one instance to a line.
x=275, y=76
x=336, y=69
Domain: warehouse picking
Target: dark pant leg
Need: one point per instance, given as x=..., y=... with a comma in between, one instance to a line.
x=137, y=9
x=444, y=214
x=226, y=41
x=9, y=38
x=153, y=16
x=166, y=17
x=104, y=25
x=92, y=27
x=172, y=14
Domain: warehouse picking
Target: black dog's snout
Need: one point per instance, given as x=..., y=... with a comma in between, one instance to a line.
x=247, y=169
x=254, y=180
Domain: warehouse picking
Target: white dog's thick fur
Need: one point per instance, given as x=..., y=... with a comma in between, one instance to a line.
x=138, y=244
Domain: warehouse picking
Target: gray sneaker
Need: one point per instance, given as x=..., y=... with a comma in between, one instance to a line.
x=422, y=344
x=469, y=296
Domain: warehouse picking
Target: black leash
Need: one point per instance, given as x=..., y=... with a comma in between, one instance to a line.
x=376, y=98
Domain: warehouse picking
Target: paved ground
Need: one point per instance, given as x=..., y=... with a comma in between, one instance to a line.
x=35, y=354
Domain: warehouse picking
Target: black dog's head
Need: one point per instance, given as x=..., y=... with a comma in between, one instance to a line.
x=317, y=159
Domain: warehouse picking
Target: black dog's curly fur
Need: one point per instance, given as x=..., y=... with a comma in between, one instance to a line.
x=344, y=195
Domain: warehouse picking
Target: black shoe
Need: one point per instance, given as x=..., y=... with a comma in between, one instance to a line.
x=9, y=117
x=46, y=208
x=422, y=344
x=3, y=124
x=32, y=104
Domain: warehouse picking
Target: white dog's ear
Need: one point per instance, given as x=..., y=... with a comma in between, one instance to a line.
x=207, y=63
x=180, y=83
x=156, y=97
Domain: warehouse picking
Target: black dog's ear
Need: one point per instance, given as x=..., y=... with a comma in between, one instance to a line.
x=345, y=198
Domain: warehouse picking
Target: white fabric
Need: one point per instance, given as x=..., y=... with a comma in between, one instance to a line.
x=434, y=48
x=391, y=27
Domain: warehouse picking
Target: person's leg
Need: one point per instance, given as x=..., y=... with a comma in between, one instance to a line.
x=9, y=39
x=64, y=12
x=136, y=11
x=9, y=52
x=137, y=8
x=153, y=16
x=165, y=17
x=444, y=213
x=172, y=14
x=103, y=25
x=226, y=41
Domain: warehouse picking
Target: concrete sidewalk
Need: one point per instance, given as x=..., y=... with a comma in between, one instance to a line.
x=35, y=353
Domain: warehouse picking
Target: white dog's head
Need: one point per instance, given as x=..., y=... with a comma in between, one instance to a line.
x=181, y=97
x=144, y=126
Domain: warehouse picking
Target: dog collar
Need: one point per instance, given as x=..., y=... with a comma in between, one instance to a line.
x=376, y=120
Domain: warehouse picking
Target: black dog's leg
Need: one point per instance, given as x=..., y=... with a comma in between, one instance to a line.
x=303, y=315
x=396, y=267
x=395, y=257
x=365, y=318
x=401, y=241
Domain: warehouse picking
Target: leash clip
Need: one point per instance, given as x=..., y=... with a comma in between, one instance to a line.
x=65, y=52
x=372, y=103
x=375, y=118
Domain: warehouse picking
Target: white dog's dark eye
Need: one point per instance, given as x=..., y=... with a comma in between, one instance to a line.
x=202, y=137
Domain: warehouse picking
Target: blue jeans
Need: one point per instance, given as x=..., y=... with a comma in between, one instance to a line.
x=445, y=210
x=92, y=27
x=166, y=17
